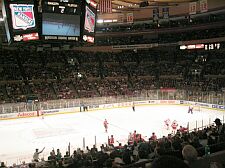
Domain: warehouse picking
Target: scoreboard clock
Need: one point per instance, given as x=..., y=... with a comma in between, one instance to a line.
x=62, y=6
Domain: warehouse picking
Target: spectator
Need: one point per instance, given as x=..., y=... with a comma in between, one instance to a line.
x=58, y=155
x=169, y=162
x=190, y=156
x=23, y=165
x=2, y=165
x=36, y=155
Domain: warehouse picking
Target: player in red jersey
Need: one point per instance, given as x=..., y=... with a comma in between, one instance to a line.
x=111, y=140
x=106, y=125
x=174, y=126
x=183, y=130
x=135, y=135
x=153, y=137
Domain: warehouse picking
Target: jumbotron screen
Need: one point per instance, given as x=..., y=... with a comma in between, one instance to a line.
x=60, y=25
x=21, y=17
x=61, y=20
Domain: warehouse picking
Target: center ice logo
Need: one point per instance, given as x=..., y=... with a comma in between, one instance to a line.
x=22, y=16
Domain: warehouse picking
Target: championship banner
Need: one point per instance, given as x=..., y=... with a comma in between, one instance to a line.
x=105, y=6
x=89, y=21
x=155, y=14
x=130, y=18
x=192, y=8
x=203, y=6
x=120, y=18
x=22, y=16
x=165, y=13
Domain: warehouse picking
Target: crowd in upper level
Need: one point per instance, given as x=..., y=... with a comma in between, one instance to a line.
x=165, y=31
x=69, y=74
x=183, y=21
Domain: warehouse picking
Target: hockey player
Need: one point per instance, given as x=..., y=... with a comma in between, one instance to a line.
x=153, y=137
x=42, y=114
x=111, y=140
x=135, y=136
x=130, y=139
x=190, y=109
x=174, y=126
x=133, y=107
x=167, y=124
x=183, y=129
x=105, y=123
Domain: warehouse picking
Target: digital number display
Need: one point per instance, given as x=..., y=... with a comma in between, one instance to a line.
x=72, y=7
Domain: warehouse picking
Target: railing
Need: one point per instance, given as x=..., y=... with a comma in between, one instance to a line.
x=165, y=94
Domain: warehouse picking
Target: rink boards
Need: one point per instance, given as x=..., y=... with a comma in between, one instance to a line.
x=28, y=114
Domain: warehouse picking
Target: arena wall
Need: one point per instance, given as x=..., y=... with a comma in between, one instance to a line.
x=90, y=108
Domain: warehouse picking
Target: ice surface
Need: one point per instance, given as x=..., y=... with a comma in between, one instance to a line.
x=20, y=137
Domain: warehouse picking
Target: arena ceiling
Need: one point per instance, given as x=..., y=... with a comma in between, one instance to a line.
x=119, y=5
x=130, y=5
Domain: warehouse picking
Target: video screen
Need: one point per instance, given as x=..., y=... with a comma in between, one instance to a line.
x=60, y=24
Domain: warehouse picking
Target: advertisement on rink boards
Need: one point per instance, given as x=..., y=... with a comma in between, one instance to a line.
x=137, y=103
x=63, y=110
x=206, y=105
x=197, y=104
x=8, y=115
x=35, y=113
x=108, y=106
x=164, y=102
x=169, y=102
x=221, y=107
x=27, y=114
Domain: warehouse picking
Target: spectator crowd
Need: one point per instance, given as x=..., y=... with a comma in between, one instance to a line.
x=82, y=75
x=67, y=74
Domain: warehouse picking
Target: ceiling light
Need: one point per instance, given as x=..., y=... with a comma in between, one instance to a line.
x=100, y=21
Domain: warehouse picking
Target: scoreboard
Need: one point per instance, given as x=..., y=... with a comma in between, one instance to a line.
x=50, y=20
x=62, y=6
x=61, y=20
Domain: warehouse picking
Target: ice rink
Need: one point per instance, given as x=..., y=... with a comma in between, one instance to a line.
x=20, y=137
